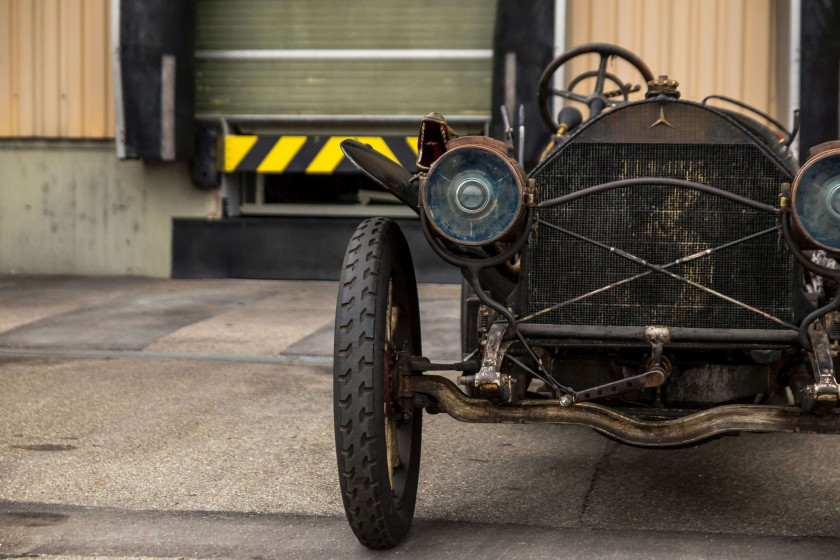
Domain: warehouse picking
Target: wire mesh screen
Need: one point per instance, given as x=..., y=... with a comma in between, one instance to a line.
x=660, y=224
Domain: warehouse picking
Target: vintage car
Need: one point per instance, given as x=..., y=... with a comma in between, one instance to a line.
x=665, y=275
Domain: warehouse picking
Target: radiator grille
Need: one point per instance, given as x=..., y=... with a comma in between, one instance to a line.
x=660, y=225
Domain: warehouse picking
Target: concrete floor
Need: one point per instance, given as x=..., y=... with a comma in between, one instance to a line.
x=158, y=418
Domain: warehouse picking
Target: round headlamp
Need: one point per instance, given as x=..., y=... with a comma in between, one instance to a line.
x=472, y=194
x=815, y=199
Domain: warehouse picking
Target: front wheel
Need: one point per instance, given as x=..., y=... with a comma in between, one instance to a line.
x=377, y=442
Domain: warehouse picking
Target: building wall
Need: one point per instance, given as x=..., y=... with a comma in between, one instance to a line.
x=55, y=69
x=71, y=207
x=68, y=205
x=725, y=47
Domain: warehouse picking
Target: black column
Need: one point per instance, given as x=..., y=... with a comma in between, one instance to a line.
x=525, y=27
x=156, y=53
x=820, y=64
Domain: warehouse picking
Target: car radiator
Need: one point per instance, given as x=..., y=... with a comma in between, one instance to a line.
x=660, y=224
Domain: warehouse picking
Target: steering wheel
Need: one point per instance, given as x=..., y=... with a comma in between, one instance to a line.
x=598, y=99
x=623, y=89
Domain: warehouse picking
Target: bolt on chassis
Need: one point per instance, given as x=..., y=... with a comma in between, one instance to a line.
x=666, y=274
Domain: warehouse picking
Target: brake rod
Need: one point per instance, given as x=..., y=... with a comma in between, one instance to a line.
x=653, y=378
x=420, y=364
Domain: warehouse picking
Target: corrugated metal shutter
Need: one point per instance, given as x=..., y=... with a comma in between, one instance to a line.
x=355, y=86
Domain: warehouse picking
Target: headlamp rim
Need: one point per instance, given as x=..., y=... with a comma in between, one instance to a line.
x=495, y=148
x=819, y=156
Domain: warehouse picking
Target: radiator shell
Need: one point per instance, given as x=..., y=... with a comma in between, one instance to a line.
x=660, y=138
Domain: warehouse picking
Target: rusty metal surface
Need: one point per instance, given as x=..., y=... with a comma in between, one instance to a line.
x=653, y=378
x=648, y=272
x=678, y=335
x=663, y=86
x=488, y=377
x=692, y=428
x=718, y=383
x=823, y=394
x=825, y=146
x=661, y=270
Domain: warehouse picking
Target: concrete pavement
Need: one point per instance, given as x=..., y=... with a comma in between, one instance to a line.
x=113, y=444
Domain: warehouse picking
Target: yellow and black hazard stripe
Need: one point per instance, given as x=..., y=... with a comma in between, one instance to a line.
x=308, y=154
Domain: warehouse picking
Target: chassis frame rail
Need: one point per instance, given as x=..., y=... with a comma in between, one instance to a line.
x=691, y=428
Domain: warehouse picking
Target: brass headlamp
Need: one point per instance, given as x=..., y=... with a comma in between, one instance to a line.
x=815, y=197
x=474, y=194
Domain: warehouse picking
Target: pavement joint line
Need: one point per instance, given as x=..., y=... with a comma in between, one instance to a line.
x=141, y=354
x=306, y=359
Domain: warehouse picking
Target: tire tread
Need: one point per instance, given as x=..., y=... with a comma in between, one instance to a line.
x=354, y=386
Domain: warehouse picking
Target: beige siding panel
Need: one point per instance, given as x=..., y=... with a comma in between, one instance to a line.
x=703, y=63
x=49, y=69
x=577, y=23
x=105, y=22
x=757, y=84
x=37, y=60
x=72, y=104
x=55, y=76
x=721, y=47
x=23, y=16
x=602, y=23
x=5, y=66
x=628, y=16
x=95, y=53
x=728, y=51
x=653, y=22
x=682, y=34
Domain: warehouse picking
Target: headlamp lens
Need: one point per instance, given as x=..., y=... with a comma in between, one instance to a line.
x=816, y=201
x=472, y=195
x=832, y=196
